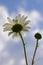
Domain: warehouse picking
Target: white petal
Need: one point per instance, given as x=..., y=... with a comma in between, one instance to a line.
x=17, y=18
x=23, y=19
x=14, y=21
x=28, y=27
x=7, y=25
x=27, y=22
x=9, y=20
x=10, y=33
x=14, y=35
x=25, y=29
x=7, y=29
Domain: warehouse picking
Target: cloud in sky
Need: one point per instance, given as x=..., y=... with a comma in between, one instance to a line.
x=7, y=48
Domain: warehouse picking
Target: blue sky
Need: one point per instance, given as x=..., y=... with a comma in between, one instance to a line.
x=27, y=4
x=11, y=50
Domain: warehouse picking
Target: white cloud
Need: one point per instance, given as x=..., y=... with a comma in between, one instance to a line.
x=1, y=46
x=10, y=62
x=5, y=54
x=3, y=15
x=22, y=62
x=4, y=11
x=3, y=19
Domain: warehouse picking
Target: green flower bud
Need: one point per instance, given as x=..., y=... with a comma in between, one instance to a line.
x=38, y=36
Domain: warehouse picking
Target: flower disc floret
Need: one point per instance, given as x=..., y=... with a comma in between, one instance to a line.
x=17, y=28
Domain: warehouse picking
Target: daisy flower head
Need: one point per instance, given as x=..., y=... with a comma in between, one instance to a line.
x=17, y=25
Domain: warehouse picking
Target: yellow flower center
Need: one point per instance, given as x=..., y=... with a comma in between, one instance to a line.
x=17, y=28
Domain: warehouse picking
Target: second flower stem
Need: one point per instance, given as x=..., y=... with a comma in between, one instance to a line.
x=24, y=48
x=35, y=52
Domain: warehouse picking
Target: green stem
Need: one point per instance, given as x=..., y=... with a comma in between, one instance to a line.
x=35, y=52
x=24, y=48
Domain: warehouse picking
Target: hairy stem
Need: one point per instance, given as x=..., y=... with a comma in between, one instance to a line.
x=35, y=52
x=24, y=48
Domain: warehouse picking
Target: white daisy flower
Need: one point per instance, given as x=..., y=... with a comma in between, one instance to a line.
x=17, y=25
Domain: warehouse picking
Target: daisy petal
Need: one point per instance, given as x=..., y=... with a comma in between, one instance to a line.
x=19, y=16
x=14, y=21
x=28, y=27
x=20, y=19
x=7, y=29
x=17, y=19
x=10, y=33
x=27, y=22
x=25, y=29
x=23, y=18
x=9, y=20
x=7, y=25
x=14, y=35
